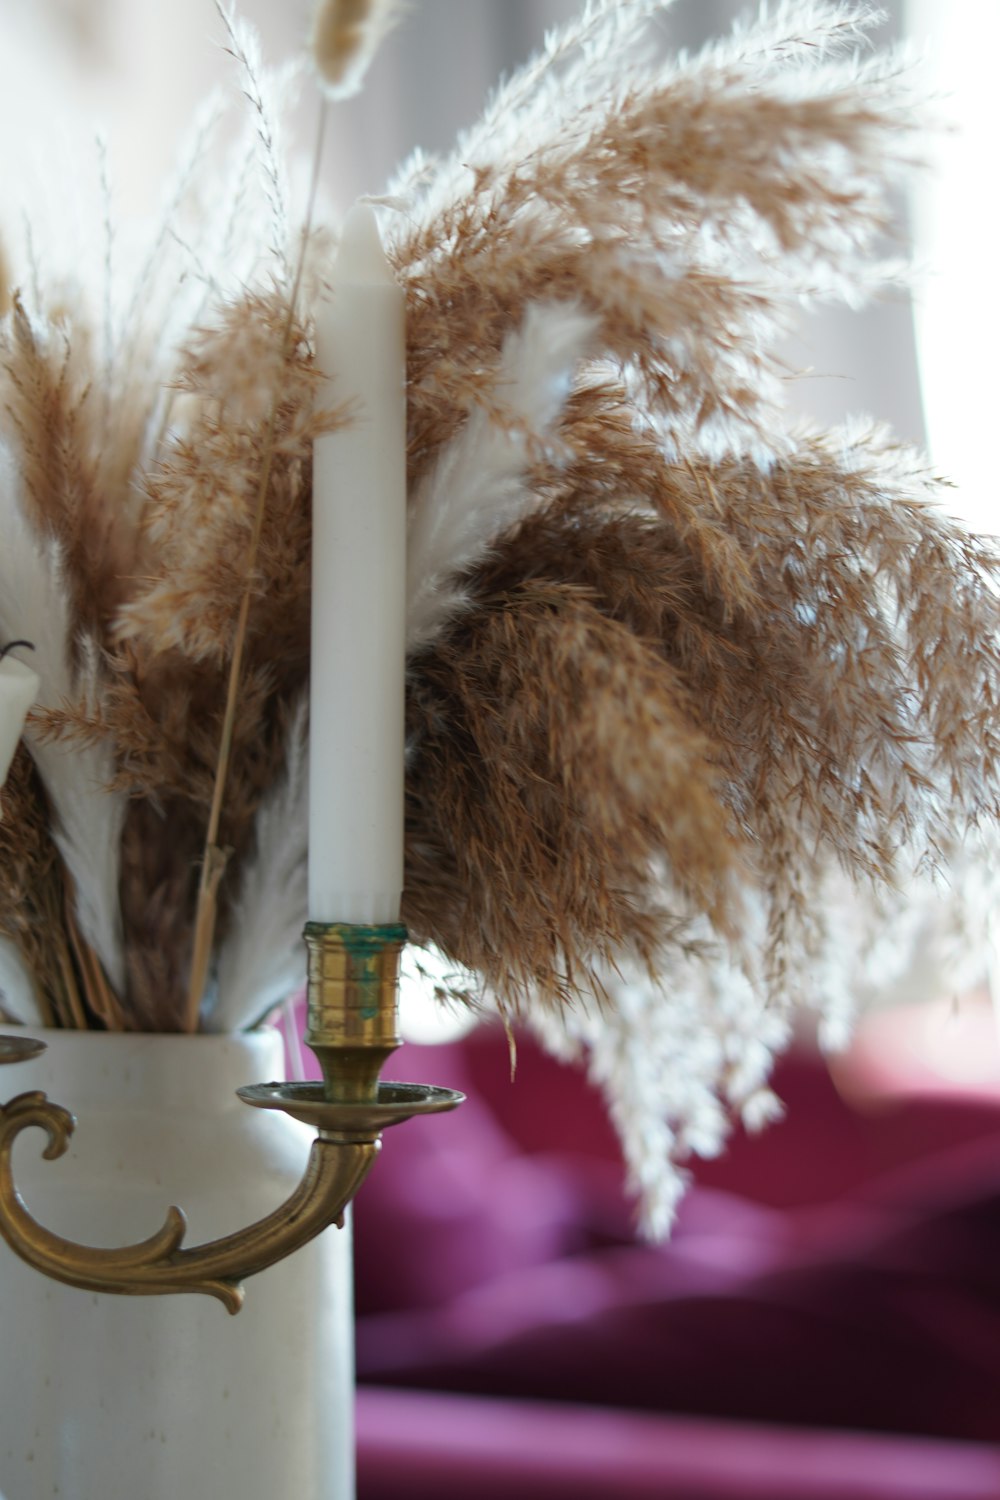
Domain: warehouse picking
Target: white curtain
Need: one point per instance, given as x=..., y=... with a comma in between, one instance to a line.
x=958, y=303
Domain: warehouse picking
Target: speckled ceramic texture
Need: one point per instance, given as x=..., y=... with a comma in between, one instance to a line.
x=129, y=1398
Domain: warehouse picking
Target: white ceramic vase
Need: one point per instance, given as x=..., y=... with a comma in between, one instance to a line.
x=171, y=1398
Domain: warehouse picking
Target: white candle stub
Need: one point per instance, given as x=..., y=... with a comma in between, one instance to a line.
x=356, y=736
x=19, y=687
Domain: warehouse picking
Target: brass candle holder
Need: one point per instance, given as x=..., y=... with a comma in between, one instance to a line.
x=353, y=1028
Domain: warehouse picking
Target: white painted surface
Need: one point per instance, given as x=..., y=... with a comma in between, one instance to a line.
x=117, y=1398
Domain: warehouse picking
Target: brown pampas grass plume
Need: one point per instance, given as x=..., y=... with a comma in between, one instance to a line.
x=697, y=699
x=33, y=897
x=346, y=34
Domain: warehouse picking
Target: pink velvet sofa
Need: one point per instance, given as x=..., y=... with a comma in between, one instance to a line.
x=825, y=1321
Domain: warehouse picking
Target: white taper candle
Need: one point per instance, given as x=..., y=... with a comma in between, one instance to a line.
x=356, y=737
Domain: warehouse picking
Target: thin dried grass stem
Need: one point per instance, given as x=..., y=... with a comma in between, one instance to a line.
x=214, y=860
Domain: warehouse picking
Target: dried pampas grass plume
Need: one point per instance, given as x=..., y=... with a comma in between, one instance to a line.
x=346, y=35
x=688, y=686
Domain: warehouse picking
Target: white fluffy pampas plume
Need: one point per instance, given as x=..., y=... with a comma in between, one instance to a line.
x=480, y=486
x=263, y=957
x=16, y=990
x=678, y=1061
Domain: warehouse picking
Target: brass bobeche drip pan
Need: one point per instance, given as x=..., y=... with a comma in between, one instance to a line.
x=357, y=1119
x=14, y=1049
x=352, y=1028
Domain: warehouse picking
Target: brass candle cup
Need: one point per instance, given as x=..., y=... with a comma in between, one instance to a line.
x=353, y=1027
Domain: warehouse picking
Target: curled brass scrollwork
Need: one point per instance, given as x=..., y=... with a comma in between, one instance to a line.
x=161, y=1264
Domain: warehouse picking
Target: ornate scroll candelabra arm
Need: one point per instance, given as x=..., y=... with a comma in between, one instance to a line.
x=353, y=985
x=160, y=1264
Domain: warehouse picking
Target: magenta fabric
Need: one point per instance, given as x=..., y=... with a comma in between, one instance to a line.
x=414, y=1446
x=841, y=1271
x=826, y=1316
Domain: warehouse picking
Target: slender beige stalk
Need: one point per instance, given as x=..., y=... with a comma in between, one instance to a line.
x=214, y=860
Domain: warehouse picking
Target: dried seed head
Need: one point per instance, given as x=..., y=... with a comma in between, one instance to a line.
x=346, y=36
